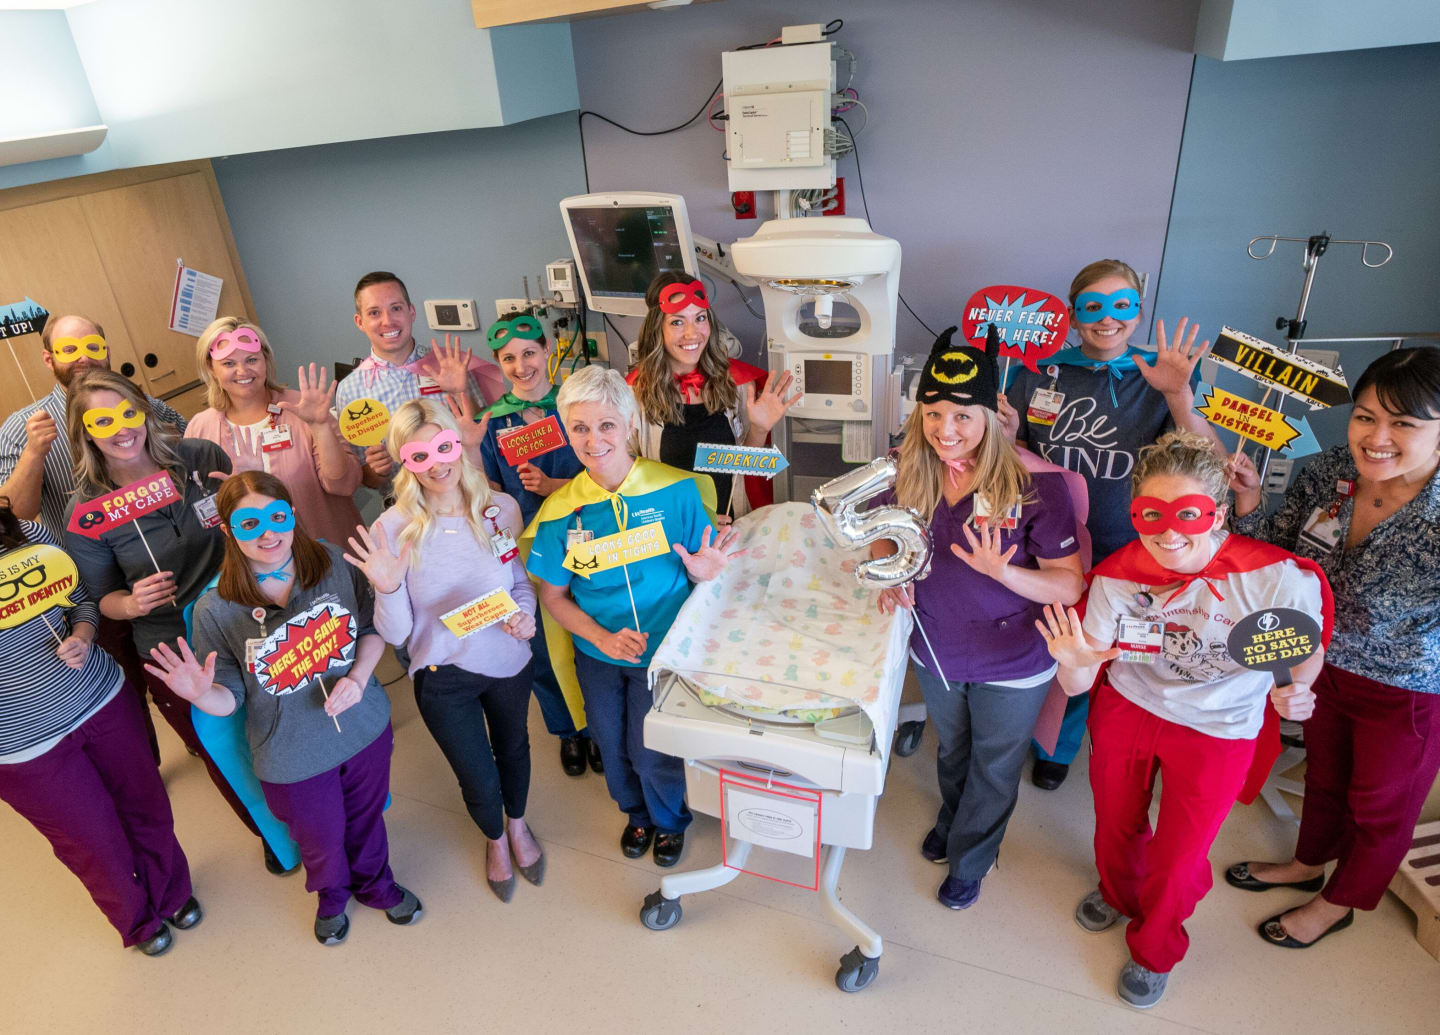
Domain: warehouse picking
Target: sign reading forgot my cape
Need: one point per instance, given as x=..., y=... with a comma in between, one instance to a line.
x=34, y=579
x=123, y=505
x=614, y=551
x=307, y=646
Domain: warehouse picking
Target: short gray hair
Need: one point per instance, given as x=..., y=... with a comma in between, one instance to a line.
x=597, y=384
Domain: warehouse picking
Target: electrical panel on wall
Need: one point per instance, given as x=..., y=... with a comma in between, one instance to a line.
x=777, y=106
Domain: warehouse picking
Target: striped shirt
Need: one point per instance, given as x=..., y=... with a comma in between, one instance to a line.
x=57, y=479
x=41, y=698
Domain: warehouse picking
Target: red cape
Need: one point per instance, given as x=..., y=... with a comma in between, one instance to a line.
x=1133, y=563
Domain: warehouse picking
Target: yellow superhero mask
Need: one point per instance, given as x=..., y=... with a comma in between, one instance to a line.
x=68, y=350
x=104, y=421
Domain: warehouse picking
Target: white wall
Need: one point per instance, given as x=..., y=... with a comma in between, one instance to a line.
x=1231, y=30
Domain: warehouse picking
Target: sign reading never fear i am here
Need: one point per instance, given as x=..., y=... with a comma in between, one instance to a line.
x=764, y=461
x=614, y=551
x=530, y=441
x=480, y=613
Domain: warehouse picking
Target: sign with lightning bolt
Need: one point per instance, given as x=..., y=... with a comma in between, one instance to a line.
x=1032, y=324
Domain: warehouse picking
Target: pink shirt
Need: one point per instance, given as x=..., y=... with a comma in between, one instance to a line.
x=324, y=506
x=454, y=569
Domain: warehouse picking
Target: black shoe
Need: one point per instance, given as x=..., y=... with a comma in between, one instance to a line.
x=635, y=842
x=572, y=755
x=408, y=909
x=933, y=848
x=1239, y=876
x=594, y=751
x=158, y=944
x=668, y=848
x=1048, y=775
x=273, y=863
x=188, y=915
x=331, y=930
x=1273, y=931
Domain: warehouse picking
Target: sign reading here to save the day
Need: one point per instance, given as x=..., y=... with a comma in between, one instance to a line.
x=1276, y=640
x=480, y=613
x=635, y=544
x=305, y=647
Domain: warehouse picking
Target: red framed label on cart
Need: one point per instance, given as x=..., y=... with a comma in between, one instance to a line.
x=774, y=815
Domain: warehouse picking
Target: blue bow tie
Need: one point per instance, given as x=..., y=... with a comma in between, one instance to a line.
x=279, y=574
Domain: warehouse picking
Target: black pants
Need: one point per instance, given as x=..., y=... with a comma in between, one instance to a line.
x=457, y=706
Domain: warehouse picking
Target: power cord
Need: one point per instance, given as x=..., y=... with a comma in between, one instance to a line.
x=580, y=122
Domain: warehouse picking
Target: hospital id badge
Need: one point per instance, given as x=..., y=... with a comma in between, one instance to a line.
x=276, y=438
x=207, y=511
x=1044, y=406
x=504, y=547
x=980, y=516
x=428, y=386
x=1140, y=640
x=252, y=651
x=1322, y=530
x=576, y=536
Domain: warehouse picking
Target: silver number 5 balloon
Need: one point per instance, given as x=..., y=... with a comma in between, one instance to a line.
x=836, y=503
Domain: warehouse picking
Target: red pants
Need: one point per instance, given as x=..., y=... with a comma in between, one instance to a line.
x=1372, y=752
x=1157, y=877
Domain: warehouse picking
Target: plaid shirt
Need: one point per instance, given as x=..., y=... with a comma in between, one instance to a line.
x=388, y=383
x=57, y=479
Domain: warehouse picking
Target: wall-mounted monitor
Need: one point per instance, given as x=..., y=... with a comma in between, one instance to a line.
x=622, y=240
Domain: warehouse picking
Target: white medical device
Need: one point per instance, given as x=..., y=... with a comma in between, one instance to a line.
x=560, y=282
x=777, y=105
x=621, y=241
x=450, y=314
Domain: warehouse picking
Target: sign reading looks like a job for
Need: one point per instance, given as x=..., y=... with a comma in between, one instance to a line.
x=305, y=647
x=532, y=440
x=34, y=579
x=122, y=506
x=614, y=551
x=1276, y=640
x=480, y=613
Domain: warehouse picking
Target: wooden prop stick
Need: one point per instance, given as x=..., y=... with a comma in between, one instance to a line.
x=333, y=718
x=58, y=638
x=1005, y=375
x=633, y=613
x=141, y=532
x=938, y=670
x=30, y=391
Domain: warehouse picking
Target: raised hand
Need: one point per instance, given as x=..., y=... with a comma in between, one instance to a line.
x=181, y=672
x=1294, y=701
x=710, y=560
x=1173, y=365
x=472, y=432
x=315, y=400
x=40, y=432
x=519, y=625
x=1067, y=642
x=897, y=596
x=625, y=645
x=243, y=448
x=452, y=365
x=344, y=693
x=985, y=555
x=382, y=566
x=150, y=592
x=765, y=410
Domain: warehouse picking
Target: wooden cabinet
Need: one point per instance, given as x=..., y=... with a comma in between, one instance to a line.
x=106, y=246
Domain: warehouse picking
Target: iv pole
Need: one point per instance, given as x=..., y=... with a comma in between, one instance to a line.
x=1315, y=247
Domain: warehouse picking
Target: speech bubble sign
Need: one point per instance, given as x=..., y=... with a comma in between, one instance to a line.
x=1032, y=324
x=1312, y=383
x=526, y=443
x=123, y=505
x=364, y=422
x=1275, y=640
x=306, y=647
x=716, y=458
x=1250, y=420
x=480, y=613
x=614, y=551
x=34, y=579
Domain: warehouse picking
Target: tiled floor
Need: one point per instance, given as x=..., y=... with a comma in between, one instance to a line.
x=572, y=955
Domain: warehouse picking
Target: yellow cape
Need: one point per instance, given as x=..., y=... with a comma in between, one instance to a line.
x=645, y=476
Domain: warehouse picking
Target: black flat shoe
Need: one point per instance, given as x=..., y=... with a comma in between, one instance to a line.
x=1238, y=876
x=934, y=848
x=635, y=842
x=158, y=944
x=572, y=755
x=1048, y=775
x=668, y=848
x=273, y=863
x=594, y=751
x=188, y=915
x=1273, y=931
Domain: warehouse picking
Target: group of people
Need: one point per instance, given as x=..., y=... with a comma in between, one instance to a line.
x=1099, y=457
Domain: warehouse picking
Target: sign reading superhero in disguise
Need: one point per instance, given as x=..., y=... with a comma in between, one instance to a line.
x=1294, y=375
x=364, y=422
x=34, y=579
x=123, y=505
x=532, y=440
x=1276, y=640
x=1032, y=324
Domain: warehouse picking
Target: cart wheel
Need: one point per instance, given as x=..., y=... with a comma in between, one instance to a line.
x=660, y=913
x=907, y=737
x=856, y=970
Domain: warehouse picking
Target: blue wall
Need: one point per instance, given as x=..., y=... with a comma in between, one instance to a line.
x=456, y=215
x=1348, y=143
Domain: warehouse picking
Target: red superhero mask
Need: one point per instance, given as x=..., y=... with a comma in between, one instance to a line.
x=675, y=297
x=1151, y=515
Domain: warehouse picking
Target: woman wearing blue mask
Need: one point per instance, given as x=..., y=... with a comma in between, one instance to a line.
x=1090, y=409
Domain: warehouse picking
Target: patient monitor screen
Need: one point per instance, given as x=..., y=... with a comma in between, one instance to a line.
x=623, y=249
x=828, y=377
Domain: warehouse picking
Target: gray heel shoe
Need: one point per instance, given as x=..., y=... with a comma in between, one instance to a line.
x=504, y=889
x=535, y=872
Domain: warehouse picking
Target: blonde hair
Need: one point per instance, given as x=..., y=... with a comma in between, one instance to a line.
x=216, y=396
x=1099, y=270
x=999, y=475
x=92, y=474
x=1186, y=454
x=655, y=389
x=410, y=501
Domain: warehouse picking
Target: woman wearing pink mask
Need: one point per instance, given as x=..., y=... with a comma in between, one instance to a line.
x=449, y=542
x=264, y=426
x=1173, y=702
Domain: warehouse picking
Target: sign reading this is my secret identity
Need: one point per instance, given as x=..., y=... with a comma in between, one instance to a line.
x=34, y=579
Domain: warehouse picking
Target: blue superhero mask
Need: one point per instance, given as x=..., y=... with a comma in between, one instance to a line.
x=249, y=523
x=1092, y=306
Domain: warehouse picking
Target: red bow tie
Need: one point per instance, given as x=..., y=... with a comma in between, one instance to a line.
x=692, y=381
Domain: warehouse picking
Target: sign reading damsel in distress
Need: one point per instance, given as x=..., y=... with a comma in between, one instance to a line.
x=1294, y=375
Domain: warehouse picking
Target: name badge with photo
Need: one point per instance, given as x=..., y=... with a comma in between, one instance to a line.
x=207, y=511
x=1044, y=406
x=1322, y=530
x=982, y=517
x=575, y=536
x=278, y=437
x=1140, y=640
x=428, y=385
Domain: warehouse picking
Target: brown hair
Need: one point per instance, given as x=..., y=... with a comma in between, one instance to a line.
x=1100, y=269
x=380, y=277
x=1186, y=454
x=655, y=388
x=12, y=536
x=215, y=395
x=48, y=334
x=237, y=582
x=92, y=473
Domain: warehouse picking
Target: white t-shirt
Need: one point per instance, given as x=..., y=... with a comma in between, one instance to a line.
x=1195, y=682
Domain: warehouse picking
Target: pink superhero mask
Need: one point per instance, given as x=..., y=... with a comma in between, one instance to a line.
x=1191, y=515
x=675, y=297
x=419, y=456
x=241, y=339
